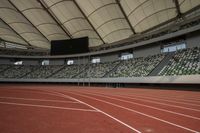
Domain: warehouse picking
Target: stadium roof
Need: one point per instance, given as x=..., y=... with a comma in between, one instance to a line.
x=37, y=22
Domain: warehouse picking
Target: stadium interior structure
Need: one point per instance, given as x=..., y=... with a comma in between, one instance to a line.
x=148, y=41
x=141, y=74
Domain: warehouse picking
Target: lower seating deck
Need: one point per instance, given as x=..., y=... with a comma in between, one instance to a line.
x=184, y=62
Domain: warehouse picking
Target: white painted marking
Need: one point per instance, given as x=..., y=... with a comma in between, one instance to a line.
x=33, y=99
x=161, y=99
x=39, y=91
x=177, y=98
x=177, y=106
x=144, y=105
x=150, y=116
x=130, y=127
x=158, y=103
x=46, y=106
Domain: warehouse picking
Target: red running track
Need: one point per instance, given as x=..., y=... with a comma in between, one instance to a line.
x=69, y=109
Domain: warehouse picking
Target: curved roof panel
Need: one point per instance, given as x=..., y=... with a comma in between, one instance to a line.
x=37, y=22
x=39, y=43
x=20, y=24
x=40, y=19
x=72, y=18
x=144, y=14
x=107, y=19
x=186, y=5
x=7, y=34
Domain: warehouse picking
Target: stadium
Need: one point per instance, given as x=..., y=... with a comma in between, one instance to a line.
x=99, y=66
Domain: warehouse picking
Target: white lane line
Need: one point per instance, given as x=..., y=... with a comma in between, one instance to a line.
x=161, y=99
x=46, y=106
x=98, y=110
x=144, y=105
x=172, y=105
x=176, y=106
x=140, y=99
x=37, y=91
x=183, y=98
x=33, y=99
x=150, y=116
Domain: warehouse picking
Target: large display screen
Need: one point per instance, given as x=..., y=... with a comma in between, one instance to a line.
x=71, y=46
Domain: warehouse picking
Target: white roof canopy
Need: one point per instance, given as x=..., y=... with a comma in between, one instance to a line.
x=107, y=19
x=35, y=13
x=37, y=22
x=6, y=33
x=73, y=19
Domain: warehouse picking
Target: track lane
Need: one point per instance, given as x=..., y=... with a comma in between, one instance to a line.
x=171, y=117
x=160, y=98
x=128, y=114
x=154, y=95
x=140, y=120
x=30, y=93
x=45, y=103
x=154, y=100
x=19, y=119
x=28, y=117
x=155, y=105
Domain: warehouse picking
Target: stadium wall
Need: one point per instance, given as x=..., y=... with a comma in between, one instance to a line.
x=193, y=39
x=142, y=51
x=109, y=57
x=31, y=62
x=186, y=79
x=57, y=62
x=147, y=51
x=5, y=61
x=80, y=60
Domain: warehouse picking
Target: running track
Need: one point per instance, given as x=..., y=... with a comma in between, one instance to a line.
x=69, y=109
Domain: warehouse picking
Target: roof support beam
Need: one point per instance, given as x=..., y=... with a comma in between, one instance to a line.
x=27, y=19
x=171, y=20
x=88, y=21
x=42, y=3
x=16, y=32
x=179, y=14
x=123, y=12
